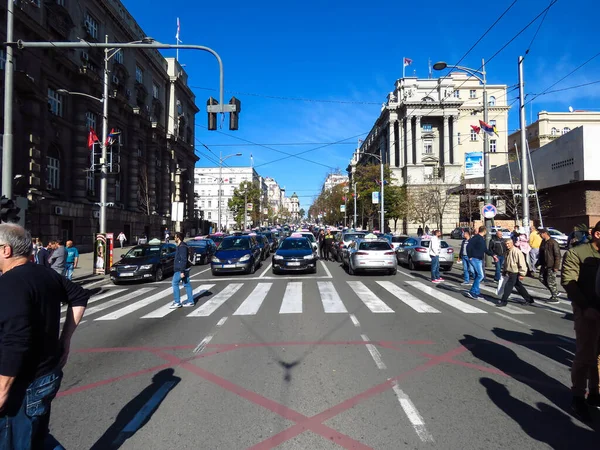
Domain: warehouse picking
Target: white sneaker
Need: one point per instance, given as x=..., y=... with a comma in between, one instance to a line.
x=175, y=305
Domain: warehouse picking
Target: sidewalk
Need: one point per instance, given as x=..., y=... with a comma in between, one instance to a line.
x=84, y=271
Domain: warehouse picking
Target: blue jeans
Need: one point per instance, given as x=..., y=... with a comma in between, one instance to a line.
x=499, y=265
x=69, y=270
x=186, y=283
x=435, y=268
x=477, y=265
x=467, y=269
x=28, y=427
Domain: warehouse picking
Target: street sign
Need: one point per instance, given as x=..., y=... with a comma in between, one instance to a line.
x=489, y=211
x=342, y=208
x=375, y=197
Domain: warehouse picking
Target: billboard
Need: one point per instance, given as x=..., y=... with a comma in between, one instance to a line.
x=375, y=197
x=473, y=165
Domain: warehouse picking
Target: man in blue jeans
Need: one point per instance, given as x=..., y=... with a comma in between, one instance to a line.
x=434, y=254
x=72, y=260
x=182, y=274
x=476, y=251
x=498, y=248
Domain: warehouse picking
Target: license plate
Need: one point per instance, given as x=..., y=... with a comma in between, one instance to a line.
x=293, y=264
x=126, y=274
x=228, y=266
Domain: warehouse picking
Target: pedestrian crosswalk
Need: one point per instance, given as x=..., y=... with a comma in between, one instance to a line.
x=250, y=298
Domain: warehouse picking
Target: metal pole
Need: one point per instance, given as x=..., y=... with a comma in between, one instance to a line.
x=535, y=189
x=524, y=162
x=7, y=139
x=354, y=225
x=103, y=166
x=486, y=160
x=245, y=207
x=382, y=225
x=219, y=187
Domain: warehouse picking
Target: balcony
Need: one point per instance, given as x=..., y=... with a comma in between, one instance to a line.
x=58, y=19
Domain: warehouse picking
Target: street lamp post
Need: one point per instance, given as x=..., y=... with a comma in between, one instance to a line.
x=220, y=184
x=481, y=76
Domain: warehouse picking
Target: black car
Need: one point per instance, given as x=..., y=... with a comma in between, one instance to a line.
x=295, y=254
x=273, y=243
x=236, y=254
x=144, y=262
x=202, y=250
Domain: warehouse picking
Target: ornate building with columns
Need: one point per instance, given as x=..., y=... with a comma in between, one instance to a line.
x=424, y=131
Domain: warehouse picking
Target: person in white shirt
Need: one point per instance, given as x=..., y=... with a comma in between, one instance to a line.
x=434, y=253
x=121, y=238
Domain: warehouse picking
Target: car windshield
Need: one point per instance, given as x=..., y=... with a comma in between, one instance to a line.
x=352, y=236
x=295, y=244
x=139, y=252
x=309, y=236
x=399, y=239
x=235, y=244
x=443, y=244
x=197, y=243
x=375, y=245
x=554, y=233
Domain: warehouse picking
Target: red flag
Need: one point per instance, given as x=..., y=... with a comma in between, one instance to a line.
x=476, y=128
x=92, y=138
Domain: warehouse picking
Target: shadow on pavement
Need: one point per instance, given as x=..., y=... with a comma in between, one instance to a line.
x=138, y=411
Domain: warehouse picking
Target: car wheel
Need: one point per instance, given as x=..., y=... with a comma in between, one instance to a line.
x=394, y=271
x=411, y=264
x=203, y=260
x=313, y=270
x=158, y=275
x=214, y=272
x=116, y=282
x=275, y=272
x=251, y=268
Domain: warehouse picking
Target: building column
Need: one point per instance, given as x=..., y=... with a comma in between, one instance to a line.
x=409, y=141
x=398, y=144
x=454, y=149
x=418, y=141
x=446, y=141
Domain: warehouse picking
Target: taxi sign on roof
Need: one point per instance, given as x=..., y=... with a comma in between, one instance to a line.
x=371, y=236
x=199, y=238
x=296, y=235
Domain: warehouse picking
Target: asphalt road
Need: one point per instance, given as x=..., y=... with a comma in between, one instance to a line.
x=319, y=361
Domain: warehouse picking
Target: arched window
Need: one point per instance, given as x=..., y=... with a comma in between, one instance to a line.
x=53, y=167
x=554, y=131
x=566, y=130
x=492, y=101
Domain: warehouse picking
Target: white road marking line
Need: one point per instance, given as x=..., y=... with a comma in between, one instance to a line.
x=251, y=305
x=407, y=298
x=87, y=286
x=566, y=339
x=221, y=322
x=202, y=344
x=215, y=302
x=326, y=269
x=553, y=308
x=96, y=298
x=198, y=273
x=275, y=277
x=265, y=271
x=137, y=305
x=143, y=413
x=114, y=302
x=511, y=309
x=354, y=320
x=292, y=299
x=374, y=303
x=447, y=299
x=164, y=310
x=407, y=274
x=512, y=319
x=374, y=353
x=332, y=303
x=413, y=415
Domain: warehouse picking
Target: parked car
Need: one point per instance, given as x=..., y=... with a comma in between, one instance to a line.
x=144, y=262
x=458, y=233
x=341, y=242
x=217, y=238
x=506, y=233
x=559, y=237
x=202, y=249
x=371, y=254
x=295, y=254
x=263, y=243
x=414, y=252
x=311, y=238
x=273, y=243
x=236, y=254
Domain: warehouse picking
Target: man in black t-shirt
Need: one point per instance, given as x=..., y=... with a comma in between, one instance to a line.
x=33, y=351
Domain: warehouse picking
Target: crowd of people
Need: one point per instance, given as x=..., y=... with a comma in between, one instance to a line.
x=62, y=259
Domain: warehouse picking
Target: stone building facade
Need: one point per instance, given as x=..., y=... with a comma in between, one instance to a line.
x=150, y=106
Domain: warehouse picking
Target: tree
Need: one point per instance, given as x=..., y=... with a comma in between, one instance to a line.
x=246, y=192
x=301, y=213
x=420, y=209
x=396, y=203
x=439, y=198
x=144, y=200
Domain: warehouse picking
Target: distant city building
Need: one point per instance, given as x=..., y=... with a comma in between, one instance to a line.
x=275, y=195
x=334, y=179
x=295, y=207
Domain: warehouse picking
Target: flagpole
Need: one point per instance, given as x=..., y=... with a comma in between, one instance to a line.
x=403, y=67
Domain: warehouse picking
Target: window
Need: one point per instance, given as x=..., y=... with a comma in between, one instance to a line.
x=55, y=102
x=492, y=101
x=474, y=113
x=492, y=145
x=493, y=123
x=90, y=121
x=139, y=74
x=554, y=131
x=566, y=130
x=458, y=138
x=91, y=26
x=209, y=215
x=117, y=190
x=472, y=93
x=473, y=135
x=428, y=146
x=119, y=57
x=427, y=127
x=60, y=2
x=456, y=93
x=202, y=204
x=202, y=180
x=210, y=204
x=155, y=90
x=90, y=182
x=232, y=180
x=140, y=149
x=53, y=171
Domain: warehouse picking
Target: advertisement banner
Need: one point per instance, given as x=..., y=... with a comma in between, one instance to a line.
x=473, y=165
x=375, y=197
x=100, y=254
x=110, y=245
x=342, y=208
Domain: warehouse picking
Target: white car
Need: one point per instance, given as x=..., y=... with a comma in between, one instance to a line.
x=370, y=253
x=505, y=232
x=311, y=238
x=558, y=236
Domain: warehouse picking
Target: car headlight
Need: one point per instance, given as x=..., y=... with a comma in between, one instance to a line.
x=215, y=259
x=245, y=258
x=309, y=257
x=146, y=267
x=277, y=257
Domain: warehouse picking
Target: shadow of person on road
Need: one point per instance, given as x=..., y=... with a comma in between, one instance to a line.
x=553, y=346
x=138, y=411
x=545, y=423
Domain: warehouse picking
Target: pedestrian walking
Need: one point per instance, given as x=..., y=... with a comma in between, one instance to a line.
x=42, y=255
x=434, y=254
x=514, y=269
x=321, y=240
x=181, y=274
x=579, y=271
x=32, y=348
x=498, y=248
x=327, y=242
x=535, y=240
x=462, y=256
x=121, y=238
x=419, y=231
x=58, y=257
x=476, y=251
x=72, y=260
x=549, y=262
x=167, y=236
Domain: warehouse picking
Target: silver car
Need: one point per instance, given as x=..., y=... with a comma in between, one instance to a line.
x=371, y=254
x=414, y=252
x=340, y=246
x=559, y=237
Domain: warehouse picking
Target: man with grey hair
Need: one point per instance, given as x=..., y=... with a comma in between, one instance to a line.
x=33, y=350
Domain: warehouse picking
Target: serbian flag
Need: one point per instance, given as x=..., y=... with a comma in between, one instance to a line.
x=491, y=130
x=111, y=138
x=476, y=129
x=92, y=138
x=407, y=62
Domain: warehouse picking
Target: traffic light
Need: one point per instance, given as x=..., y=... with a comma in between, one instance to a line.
x=234, y=116
x=8, y=211
x=212, y=116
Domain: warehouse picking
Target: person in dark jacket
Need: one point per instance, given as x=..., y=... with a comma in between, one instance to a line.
x=321, y=240
x=42, y=256
x=549, y=260
x=181, y=268
x=327, y=243
x=462, y=256
x=498, y=248
x=476, y=251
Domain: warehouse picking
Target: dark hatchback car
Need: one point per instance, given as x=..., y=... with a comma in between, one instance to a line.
x=144, y=262
x=236, y=254
x=202, y=250
x=295, y=254
x=265, y=246
x=273, y=242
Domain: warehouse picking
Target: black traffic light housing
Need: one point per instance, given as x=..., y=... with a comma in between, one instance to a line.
x=233, y=108
x=9, y=212
x=234, y=116
x=212, y=116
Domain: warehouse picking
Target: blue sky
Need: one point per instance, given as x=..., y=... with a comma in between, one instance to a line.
x=345, y=56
